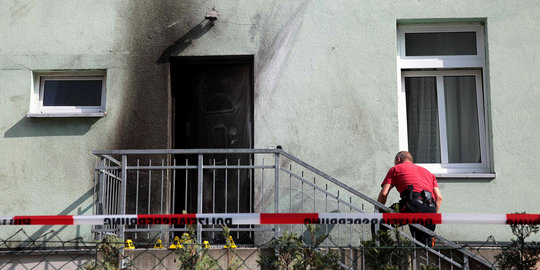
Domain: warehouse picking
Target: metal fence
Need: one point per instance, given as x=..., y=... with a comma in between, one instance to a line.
x=237, y=181
x=49, y=251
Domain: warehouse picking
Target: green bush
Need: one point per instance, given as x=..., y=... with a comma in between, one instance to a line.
x=286, y=252
x=520, y=255
x=192, y=255
x=388, y=251
x=110, y=248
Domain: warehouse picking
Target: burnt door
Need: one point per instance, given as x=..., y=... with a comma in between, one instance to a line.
x=213, y=108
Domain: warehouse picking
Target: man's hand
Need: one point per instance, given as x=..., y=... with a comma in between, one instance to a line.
x=383, y=195
x=438, y=197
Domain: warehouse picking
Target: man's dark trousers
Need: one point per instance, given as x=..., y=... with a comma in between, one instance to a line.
x=419, y=205
x=416, y=205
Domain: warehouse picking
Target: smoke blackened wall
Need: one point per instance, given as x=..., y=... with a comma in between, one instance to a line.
x=146, y=32
x=148, y=29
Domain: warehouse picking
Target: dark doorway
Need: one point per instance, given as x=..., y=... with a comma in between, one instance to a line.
x=213, y=108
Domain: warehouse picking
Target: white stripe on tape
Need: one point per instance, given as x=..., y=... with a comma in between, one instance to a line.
x=473, y=218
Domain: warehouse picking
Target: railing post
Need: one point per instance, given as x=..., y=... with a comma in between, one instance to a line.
x=465, y=262
x=101, y=195
x=100, y=206
x=276, y=192
x=199, y=193
x=123, y=187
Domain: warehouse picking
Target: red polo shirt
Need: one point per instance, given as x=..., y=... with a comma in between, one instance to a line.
x=406, y=173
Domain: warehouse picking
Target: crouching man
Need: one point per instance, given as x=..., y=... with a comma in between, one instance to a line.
x=418, y=190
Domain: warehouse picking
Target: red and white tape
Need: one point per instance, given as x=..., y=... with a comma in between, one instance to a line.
x=278, y=218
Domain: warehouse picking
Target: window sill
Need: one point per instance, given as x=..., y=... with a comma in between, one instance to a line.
x=51, y=115
x=465, y=175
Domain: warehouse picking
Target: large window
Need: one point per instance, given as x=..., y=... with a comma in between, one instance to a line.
x=68, y=94
x=441, y=97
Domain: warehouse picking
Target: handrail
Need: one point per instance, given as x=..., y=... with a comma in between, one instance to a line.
x=335, y=181
x=185, y=151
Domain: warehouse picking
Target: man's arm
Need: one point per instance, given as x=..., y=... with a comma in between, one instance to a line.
x=438, y=195
x=383, y=195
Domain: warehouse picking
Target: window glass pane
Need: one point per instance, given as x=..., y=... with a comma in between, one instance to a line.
x=219, y=103
x=423, y=119
x=462, y=119
x=444, y=43
x=72, y=93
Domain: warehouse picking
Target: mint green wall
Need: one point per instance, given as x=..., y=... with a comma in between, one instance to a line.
x=325, y=89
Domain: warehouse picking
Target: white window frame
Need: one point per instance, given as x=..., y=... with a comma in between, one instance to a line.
x=439, y=66
x=37, y=109
x=441, y=61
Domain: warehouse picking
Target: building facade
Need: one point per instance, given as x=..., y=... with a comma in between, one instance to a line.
x=343, y=85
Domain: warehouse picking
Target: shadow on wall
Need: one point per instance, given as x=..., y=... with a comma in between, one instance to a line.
x=461, y=180
x=183, y=42
x=36, y=127
x=45, y=234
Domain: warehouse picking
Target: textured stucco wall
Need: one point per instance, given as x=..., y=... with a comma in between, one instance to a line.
x=325, y=89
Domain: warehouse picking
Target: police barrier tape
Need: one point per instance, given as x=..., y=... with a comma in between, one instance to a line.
x=275, y=218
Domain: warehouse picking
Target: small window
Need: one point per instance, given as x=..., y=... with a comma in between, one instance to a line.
x=66, y=94
x=440, y=43
x=441, y=97
x=219, y=103
x=441, y=46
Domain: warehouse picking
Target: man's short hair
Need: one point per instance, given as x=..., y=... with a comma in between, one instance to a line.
x=403, y=155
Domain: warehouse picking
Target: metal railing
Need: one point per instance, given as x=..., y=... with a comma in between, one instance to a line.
x=240, y=181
